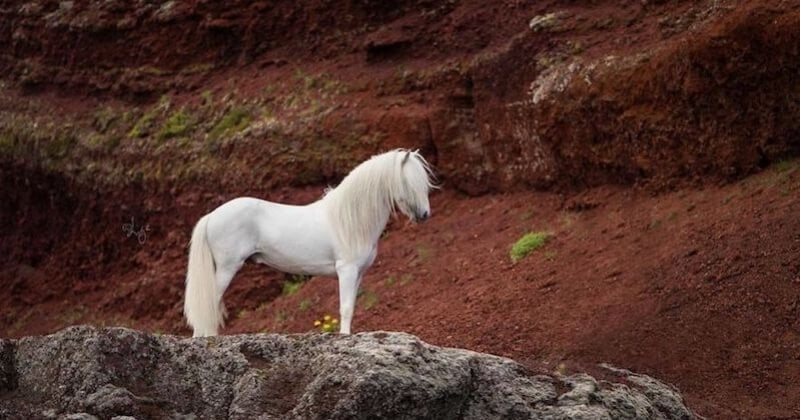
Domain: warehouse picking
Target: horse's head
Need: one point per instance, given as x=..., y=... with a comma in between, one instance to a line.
x=413, y=198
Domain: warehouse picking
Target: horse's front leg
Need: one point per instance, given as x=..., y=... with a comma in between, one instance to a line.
x=348, y=290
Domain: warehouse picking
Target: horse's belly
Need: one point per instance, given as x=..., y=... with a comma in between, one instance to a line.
x=297, y=264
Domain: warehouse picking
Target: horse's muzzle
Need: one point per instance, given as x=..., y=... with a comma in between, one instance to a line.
x=421, y=217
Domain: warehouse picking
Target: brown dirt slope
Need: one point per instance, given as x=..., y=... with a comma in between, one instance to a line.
x=561, y=116
x=698, y=287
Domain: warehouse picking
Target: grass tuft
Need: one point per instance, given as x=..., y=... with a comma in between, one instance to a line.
x=369, y=299
x=292, y=285
x=175, y=126
x=304, y=305
x=233, y=121
x=142, y=126
x=784, y=165
x=528, y=243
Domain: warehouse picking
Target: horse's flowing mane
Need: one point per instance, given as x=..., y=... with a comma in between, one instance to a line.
x=361, y=204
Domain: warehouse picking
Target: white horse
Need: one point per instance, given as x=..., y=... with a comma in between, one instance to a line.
x=337, y=235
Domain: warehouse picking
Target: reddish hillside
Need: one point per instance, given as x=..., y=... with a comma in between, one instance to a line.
x=651, y=139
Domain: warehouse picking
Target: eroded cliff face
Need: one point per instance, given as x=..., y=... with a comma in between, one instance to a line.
x=501, y=97
x=718, y=101
x=149, y=46
x=115, y=372
x=153, y=113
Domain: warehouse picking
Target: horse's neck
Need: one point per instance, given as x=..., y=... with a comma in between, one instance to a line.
x=358, y=236
x=380, y=224
x=376, y=224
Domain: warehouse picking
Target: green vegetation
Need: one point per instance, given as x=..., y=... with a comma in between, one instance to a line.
x=304, y=305
x=309, y=82
x=104, y=118
x=6, y=143
x=292, y=285
x=176, y=125
x=323, y=82
x=280, y=317
x=207, y=97
x=575, y=47
x=391, y=280
x=290, y=288
x=405, y=279
x=528, y=243
x=99, y=141
x=60, y=144
x=423, y=252
x=143, y=125
x=368, y=299
x=165, y=132
x=654, y=224
x=197, y=68
x=235, y=120
x=785, y=165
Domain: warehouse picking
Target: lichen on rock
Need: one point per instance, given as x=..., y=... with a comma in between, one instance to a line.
x=83, y=372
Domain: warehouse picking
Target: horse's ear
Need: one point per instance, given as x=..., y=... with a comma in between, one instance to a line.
x=405, y=158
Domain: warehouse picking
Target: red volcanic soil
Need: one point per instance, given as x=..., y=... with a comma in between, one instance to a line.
x=699, y=287
x=674, y=233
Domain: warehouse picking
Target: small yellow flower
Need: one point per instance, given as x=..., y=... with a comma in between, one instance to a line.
x=326, y=327
x=317, y=323
x=326, y=317
x=334, y=321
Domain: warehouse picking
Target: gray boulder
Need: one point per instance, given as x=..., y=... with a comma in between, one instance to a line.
x=86, y=372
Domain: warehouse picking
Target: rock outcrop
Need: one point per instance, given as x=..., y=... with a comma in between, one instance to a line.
x=84, y=372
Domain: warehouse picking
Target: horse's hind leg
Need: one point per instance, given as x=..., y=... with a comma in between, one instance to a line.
x=224, y=275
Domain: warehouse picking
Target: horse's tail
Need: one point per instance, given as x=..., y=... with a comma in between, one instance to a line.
x=201, y=305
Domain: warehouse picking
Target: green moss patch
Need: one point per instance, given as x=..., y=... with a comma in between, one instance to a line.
x=176, y=125
x=528, y=243
x=233, y=121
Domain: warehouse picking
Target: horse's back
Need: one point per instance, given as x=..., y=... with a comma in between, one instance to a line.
x=239, y=211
